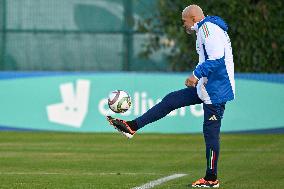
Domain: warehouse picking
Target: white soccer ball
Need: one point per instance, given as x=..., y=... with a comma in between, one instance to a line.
x=119, y=101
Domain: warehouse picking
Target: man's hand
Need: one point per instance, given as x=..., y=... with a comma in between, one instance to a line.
x=191, y=81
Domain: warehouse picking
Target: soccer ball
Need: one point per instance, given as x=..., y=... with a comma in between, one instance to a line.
x=119, y=101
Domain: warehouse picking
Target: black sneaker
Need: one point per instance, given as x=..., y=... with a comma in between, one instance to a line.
x=121, y=126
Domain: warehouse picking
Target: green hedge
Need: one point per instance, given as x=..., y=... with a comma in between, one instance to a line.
x=256, y=29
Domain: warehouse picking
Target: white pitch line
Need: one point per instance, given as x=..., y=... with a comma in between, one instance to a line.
x=154, y=183
x=58, y=173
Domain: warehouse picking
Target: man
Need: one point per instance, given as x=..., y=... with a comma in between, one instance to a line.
x=212, y=83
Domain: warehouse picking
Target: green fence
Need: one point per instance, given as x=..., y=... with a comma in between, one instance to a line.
x=75, y=35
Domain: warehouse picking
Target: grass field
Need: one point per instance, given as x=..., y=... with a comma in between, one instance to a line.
x=68, y=160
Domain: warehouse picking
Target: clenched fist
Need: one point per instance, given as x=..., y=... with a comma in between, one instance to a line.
x=191, y=81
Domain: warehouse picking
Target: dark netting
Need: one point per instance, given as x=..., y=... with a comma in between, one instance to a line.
x=99, y=15
x=1, y=33
x=52, y=51
x=74, y=35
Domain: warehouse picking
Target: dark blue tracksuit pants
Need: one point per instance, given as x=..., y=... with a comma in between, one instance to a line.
x=213, y=113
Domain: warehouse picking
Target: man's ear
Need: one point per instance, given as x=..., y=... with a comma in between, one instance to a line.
x=194, y=19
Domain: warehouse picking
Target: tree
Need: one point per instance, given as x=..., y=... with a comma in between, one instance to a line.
x=256, y=28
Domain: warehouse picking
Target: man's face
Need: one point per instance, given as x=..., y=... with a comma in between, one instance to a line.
x=188, y=22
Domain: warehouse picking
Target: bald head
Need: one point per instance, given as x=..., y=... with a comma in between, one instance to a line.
x=193, y=11
x=191, y=15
